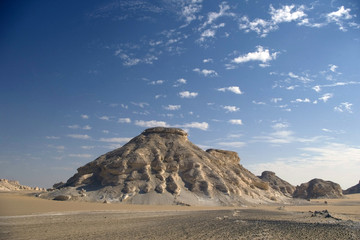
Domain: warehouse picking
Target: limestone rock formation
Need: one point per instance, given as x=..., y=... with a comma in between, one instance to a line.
x=161, y=166
x=277, y=183
x=318, y=188
x=353, y=189
x=11, y=185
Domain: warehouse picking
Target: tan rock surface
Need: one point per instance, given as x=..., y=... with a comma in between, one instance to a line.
x=161, y=166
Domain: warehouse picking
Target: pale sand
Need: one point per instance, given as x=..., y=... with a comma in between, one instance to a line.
x=23, y=216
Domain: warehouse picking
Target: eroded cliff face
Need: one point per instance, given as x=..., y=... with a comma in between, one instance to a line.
x=277, y=183
x=162, y=166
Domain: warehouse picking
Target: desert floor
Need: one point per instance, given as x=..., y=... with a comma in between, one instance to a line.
x=23, y=216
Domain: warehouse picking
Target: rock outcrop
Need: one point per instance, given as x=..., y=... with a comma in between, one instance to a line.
x=161, y=166
x=353, y=189
x=277, y=183
x=318, y=188
x=11, y=185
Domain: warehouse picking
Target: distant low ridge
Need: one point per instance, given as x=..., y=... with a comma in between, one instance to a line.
x=161, y=166
x=12, y=185
x=318, y=188
x=353, y=189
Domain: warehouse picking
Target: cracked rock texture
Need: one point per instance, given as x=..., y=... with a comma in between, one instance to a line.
x=318, y=188
x=161, y=166
x=277, y=183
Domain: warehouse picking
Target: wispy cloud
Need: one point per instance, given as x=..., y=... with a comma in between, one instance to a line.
x=87, y=127
x=79, y=136
x=75, y=126
x=52, y=137
x=199, y=125
x=206, y=72
x=157, y=82
x=84, y=116
x=187, y=94
x=234, y=89
x=344, y=107
x=338, y=17
x=172, y=107
x=115, y=140
x=231, y=108
x=299, y=100
x=140, y=104
x=124, y=120
x=262, y=27
x=232, y=144
x=180, y=82
x=236, y=121
x=151, y=123
x=318, y=88
x=106, y=118
x=326, y=97
x=261, y=55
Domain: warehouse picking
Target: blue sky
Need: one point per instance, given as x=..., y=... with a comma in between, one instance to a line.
x=277, y=82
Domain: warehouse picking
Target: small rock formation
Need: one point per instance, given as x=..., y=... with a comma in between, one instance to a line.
x=318, y=188
x=277, y=183
x=11, y=185
x=353, y=189
x=161, y=166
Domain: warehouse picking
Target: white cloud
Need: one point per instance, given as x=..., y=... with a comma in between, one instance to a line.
x=236, y=121
x=105, y=131
x=106, y=118
x=199, y=125
x=172, y=107
x=317, y=88
x=258, y=103
x=79, y=136
x=213, y=16
x=232, y=144
x=333, y=67
x=299, y=100
x=151, y=123
x=124, y=120
x=336, y=84
x=339, y=16
x=52, y=137
x=344, y=107
x=286, y=14
x=206, y=72
x=160, y=95
x=87, y=127
x=74, y=126
x=84, y=116
x=261, y=54
x=87, y=147
x=179, y=82
x=283, y=136
x=115, y=140
x=187, y=94
x=140, y=104
x=280, y=125
x=207, y=60
x=82, y=155
x=301, y=78
x=326, y=97
x=59, y=148
x=157, y=82
x=233, y=89
x=231, y=108
x=276, y=100
x=189, y=10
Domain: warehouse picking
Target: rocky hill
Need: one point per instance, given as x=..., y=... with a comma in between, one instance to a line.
x=277, y=183
x=353, y=189
x=318, y=188
x=161, y=166
x=11, y=185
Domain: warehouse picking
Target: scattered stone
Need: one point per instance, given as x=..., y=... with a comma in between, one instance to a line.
x=62, y=198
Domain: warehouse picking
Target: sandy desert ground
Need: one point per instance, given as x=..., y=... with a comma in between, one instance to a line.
x=23, y=216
